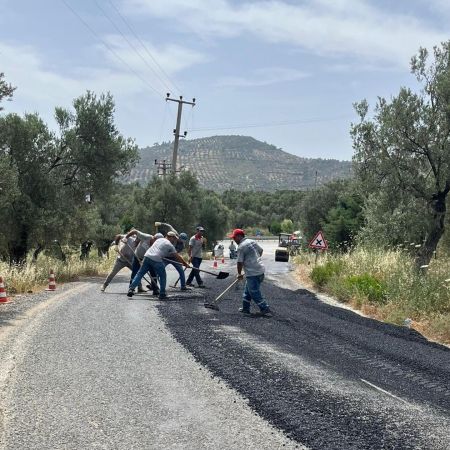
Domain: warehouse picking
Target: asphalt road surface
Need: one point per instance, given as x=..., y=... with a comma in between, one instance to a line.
x=83, y=369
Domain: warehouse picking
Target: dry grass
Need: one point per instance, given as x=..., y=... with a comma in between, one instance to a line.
x=33, y=277
x=422, y=297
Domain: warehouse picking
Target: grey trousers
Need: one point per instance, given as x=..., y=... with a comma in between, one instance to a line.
x=118, y=266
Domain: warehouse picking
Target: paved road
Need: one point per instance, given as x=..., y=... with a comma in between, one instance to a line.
x=327, y=376
x=88, y=370
x=91, y=370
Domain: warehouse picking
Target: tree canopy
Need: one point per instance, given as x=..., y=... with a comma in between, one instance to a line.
x=51, y=173
x=405, y=147
x=6, y=89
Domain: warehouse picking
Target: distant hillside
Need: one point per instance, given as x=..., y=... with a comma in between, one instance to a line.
x=243, y=163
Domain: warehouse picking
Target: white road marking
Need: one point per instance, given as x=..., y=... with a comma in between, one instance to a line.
x=386, y=392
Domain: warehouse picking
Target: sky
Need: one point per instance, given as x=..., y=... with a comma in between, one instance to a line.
x=283, y=71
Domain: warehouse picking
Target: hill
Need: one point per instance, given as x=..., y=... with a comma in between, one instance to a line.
x=241, y=162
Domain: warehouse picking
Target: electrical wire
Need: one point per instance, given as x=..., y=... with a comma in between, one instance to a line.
x=110, y=49
x=132, y=46
x=161, y=131
x=145, y=48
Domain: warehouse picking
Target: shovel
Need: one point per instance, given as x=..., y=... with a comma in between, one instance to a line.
x=213, y=305
x=220, y=276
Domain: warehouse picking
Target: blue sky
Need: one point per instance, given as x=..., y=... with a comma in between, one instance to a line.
x=283, y=71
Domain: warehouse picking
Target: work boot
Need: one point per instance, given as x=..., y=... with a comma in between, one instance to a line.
x=130, y=293
x=244, y=311
x=189, y=285
x=162, y=296
x=266, y=312
x=103, y=288
x=185, y=288
x=155, y=292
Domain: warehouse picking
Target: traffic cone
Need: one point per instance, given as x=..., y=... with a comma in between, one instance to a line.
x=215, y=263
x=3, y=297
x=51, y=282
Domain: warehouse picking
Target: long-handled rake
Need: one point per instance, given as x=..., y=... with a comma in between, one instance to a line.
x=213, y=305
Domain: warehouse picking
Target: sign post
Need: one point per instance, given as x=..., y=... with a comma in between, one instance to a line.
x=318, y=242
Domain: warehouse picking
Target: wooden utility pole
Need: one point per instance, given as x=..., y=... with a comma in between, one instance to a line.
x=162, y=168
x=176, y=131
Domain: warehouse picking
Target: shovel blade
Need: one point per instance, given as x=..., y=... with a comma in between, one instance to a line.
x=211, y=306
x=222, y=275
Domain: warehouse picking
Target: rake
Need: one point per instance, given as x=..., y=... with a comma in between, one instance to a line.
x=213, y=305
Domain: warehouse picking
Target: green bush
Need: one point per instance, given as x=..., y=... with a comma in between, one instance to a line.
x=321, y=275
x=367, y=285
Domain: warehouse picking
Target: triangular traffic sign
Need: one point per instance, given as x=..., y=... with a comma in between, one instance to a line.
x=318, y=241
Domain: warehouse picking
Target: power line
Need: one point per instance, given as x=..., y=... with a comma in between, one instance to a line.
x=163, y=122
x=132, y=45
x=145, y=47
x=108, y=47
x=269, y=124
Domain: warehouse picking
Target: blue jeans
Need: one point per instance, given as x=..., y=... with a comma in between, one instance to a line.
x=135, y=269
x=179, y=269
x=252, y=291
x=195, y=273
x=149, y=265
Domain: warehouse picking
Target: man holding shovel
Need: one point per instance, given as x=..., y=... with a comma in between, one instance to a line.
x=145, y=241
x=195, y=257
x=249, y=260
x=154, y=258
x=124, y=258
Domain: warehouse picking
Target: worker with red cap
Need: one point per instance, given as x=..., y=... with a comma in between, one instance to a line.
x=249, y=261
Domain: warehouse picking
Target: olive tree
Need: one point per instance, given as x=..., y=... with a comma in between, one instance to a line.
x=6, y=90
x=54, y=171
x=405, y=147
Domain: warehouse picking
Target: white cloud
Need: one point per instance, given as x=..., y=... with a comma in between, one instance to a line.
x=171, y=58
x=325, y=27
x=25, y=68
x=263, y=77
x=439, y=6
x=41, y=88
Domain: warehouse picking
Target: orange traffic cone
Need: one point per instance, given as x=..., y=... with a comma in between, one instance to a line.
x=51, y=282
x=3, y=297
x=215, y=263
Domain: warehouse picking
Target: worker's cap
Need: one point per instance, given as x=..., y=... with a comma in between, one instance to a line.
x=172, y=234
x=237, y=232
x=158, y=236
x=184, y=236
x=200, y=229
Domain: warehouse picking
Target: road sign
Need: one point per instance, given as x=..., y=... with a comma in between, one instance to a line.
x=318, y=241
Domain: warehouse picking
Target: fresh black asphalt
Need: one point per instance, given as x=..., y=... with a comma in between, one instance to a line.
x=327, y=376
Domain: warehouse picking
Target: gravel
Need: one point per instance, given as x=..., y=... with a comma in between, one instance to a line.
x=92, y=370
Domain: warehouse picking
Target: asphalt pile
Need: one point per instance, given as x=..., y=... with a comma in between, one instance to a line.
x=326, y=376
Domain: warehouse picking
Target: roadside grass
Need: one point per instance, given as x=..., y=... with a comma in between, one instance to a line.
x=385, y=285
x=33, y=277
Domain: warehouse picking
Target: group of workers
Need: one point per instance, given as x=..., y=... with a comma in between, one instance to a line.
x=148, y=255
